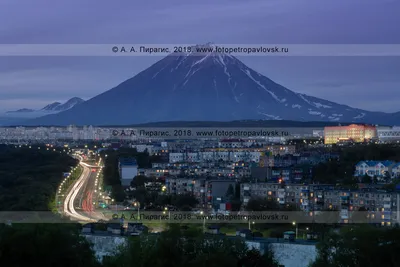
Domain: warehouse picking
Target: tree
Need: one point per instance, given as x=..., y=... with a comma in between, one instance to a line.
x=184, y=201
x=359, y=246
x=180, y=248
x=140, y=180
x=366, y=179
x=118, y=193
x=29, y=178
x=44, y=245
x=260, y=204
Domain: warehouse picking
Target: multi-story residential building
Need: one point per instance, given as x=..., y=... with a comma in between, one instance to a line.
x=128, y=169
x=281, y=149
x=159, y=172
x=383, y=206
x=209, y=191
x=284, y=194
x=215, y=155
x=288, y=174
x=374, y=168
x=216, y=190
x=179, y=186
x=353, y=132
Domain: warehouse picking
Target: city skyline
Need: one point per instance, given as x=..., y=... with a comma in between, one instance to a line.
x=361, y=82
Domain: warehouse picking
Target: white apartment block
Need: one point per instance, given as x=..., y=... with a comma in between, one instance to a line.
x=234, y=156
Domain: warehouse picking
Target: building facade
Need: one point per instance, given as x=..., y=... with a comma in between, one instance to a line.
x=128, y=169
x=389, y=134
x=353, y=132
x=374, y=168
x=382, y=207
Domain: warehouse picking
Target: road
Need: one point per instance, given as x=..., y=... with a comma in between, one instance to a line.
x=81, y=193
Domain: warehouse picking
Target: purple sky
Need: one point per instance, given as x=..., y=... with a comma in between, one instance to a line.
x=372, y=83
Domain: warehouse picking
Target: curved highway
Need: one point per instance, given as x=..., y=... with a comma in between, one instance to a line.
x=78, y=189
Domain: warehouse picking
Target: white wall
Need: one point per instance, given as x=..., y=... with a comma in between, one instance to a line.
x=127, y=174
x=294, y=255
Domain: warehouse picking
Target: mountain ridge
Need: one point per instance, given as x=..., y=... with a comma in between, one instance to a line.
x=53, y=107
x=210, y=87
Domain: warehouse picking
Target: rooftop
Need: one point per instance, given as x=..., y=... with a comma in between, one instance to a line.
x=127, y=161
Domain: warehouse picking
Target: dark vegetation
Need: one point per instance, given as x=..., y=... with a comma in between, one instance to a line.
x=45, y=245
x=341, y=171
x=29, y=177
x=179, y=247
x=365, y=246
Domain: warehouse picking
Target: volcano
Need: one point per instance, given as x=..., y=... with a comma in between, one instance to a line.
x=206, y=87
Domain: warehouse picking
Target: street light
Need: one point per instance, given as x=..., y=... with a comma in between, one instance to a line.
x=297, y=229
x=137, y=204
x=204, y=221
x=169, y=213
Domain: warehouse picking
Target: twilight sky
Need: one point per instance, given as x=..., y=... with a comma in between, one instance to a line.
x=371, y=83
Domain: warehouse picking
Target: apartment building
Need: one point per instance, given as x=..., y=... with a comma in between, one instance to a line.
x=383, y=206
x=214, y=155
x=284, y=194
x=128, y=169
x=281, y=149
x=210, y=192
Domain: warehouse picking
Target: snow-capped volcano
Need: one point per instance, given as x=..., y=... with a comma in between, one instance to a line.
x=205, y=87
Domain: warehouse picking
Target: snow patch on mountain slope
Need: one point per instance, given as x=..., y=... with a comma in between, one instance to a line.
x=296, y=106
x=360, y=116
x=305, y=99
x=314, y=104
x=262, y=86
x=200, y=60
x=269, y=116
x=319, y=105
x=155, y=75
x=181, y=60
x=333, y=118
x=312, y=112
